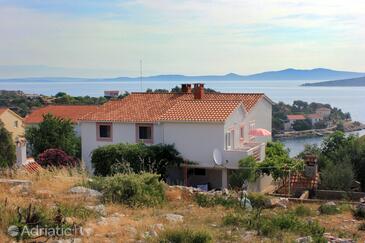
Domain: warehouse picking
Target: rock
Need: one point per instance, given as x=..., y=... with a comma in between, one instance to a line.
x=361, y=208
x=11, y=182
x=85, y=191
x=75, y=240
x=99, y=209
x=277, y=202
x=87, y=231
x=248, y=236
x=70, y=220
x=305, y=195
x=331, y=203
x=225, y=191
x=246, y=203
x=44, y=194
x=362, y=200
x=130, y=230
x=21, y=190
x=159, y=227
x=306, y=239
x=174, y=218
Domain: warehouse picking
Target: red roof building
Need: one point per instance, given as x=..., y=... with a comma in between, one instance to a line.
x=295, y=117
x=71, y=112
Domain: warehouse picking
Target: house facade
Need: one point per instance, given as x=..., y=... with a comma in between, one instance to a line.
x=70, y=112
x=13, y=123
x=197, y=123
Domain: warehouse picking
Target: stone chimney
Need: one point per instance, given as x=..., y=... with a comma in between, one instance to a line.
x=198, y=91
x=186, y=88
x=21, y=152
x=311, y=166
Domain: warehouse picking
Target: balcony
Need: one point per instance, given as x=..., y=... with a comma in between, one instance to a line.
x=257, y=150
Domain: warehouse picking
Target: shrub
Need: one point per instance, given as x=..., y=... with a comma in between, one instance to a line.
x=258, y=200
x=302, y=210
x=134, y=190
x=57, y=158
x=235, y=219
x=186, y=236
x=359, y=213
x=329, y=209
x=204, y=200
x=7, y=147
x=108, y=160
x=362, y=226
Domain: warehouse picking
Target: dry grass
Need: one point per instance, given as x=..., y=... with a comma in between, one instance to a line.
x=58, y=182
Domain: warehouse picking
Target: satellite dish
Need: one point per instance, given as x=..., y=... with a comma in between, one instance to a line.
x=217, y=157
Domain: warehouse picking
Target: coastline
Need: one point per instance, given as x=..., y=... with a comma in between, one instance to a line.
x=348, y=127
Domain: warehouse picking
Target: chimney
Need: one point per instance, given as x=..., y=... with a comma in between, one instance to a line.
x=186, y=88
x=198, y=91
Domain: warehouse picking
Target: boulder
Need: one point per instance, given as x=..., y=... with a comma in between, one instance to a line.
x=277, y=202
x=21, y=190
x=99, y=209
x=44, y=194
x=11, y=182
x=306, y=239
x=85, y=191
x=174, y=218
x=331, y=203
x=88, y=232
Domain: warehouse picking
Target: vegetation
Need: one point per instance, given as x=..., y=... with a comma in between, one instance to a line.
x=302, y=211
x=134, y=190
x=204, y=200
x=7, y=148
x=118, y=158
x=275, y=225
x=329, y=209
x=277, y=163
x=302, y=125
x=341, y=160
x=56, y=158
x=53, y=133
x=185, y=236
x=281, y=110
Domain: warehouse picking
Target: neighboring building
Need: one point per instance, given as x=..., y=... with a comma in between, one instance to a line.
x=314, y=118
x=324, y=112
x=71, y=112
x=12, y=122
x=293, y=118
x=196, y=123
x=111, y=93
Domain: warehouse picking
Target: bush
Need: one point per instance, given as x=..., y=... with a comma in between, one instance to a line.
x=302, y=210
x=7, y=147
x=134, y=190
x=235, y=219
x=186, y=236
x=108, y=160
x=204, y=200
x=362, y=226
x=329, y=209
x=359, y=213
x=258, y=200
x=57, y=158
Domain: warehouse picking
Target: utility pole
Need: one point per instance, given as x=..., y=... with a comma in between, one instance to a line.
x=140, y=74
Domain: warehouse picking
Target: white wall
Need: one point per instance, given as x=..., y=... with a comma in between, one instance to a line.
x=195, y=141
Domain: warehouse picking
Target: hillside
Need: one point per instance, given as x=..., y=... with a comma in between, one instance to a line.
x=353, y=82
x=287, y=74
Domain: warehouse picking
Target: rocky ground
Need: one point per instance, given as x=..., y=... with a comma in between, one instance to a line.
x=118, y=223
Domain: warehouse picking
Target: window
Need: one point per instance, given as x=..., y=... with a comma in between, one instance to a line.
x=242, y=132
x=228, y=140
x=104, y=131
x=144, y=133
x=16, y=124
x=252, y=127
x=232, y=139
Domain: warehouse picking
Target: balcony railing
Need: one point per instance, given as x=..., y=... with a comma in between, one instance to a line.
x=232, y=156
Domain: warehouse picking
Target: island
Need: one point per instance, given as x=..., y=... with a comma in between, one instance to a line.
x=353, y=82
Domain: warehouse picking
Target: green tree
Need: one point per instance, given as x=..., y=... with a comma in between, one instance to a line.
x=247, y=171
x=53, y=132
x=301, y=125
x=7, y=148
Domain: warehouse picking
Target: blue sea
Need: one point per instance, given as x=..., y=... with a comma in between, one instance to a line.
x=349, y=99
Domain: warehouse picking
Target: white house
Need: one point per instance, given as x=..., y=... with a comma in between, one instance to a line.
x=197, y=123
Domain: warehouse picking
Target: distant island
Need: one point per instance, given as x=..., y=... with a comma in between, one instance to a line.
x=287, y=74
x=353, y=82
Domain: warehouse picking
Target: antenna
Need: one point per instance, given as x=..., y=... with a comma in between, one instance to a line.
x=140, y=74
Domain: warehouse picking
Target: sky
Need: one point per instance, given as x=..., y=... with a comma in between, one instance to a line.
x=94, y=38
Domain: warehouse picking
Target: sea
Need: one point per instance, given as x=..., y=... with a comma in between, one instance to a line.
x=348, y=99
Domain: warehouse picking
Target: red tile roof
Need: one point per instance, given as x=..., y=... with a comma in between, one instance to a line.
x=152, y=107
x=72, y=112
x=314, y=116
x=2, y=110
x=296, y=117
